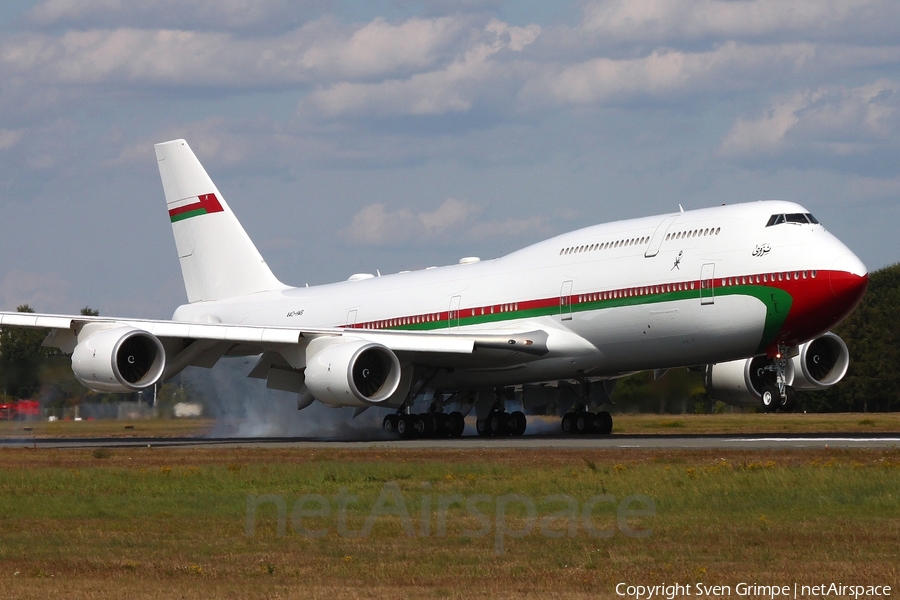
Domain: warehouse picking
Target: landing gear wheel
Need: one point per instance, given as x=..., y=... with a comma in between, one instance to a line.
x=771, y=397
x=605, y=423
x=583, y=422
x=406, y=426
x=441, y=424
x=481, y=426
x=520, y=422
x=389, y=425
x=789, y=402
x=457, y=424
x=497, y=423
x=568, y=423
x=424, y=425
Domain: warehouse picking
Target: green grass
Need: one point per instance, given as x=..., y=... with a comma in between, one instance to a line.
x=106, y=428
x=135, y=522
x=736, y=423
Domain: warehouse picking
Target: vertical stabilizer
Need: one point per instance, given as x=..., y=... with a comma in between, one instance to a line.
x=218, y=259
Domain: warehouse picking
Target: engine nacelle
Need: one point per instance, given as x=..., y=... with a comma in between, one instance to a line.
x=351, y=373
x=821, y=363
x=740, y=382
x=120, y=359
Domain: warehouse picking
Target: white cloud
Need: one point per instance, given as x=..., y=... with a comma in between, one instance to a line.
x=453, y=88
x=665, y=20
x=374, y=225
x=316, y=52
x=666, y=72
x=454, y=220
x=182, y=14
x=835, y=121
x=765, y=133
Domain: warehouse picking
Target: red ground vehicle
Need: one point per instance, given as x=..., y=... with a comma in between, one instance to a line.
x=23, y=409
x=28, y=409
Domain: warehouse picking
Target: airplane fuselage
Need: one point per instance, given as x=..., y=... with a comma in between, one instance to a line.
x=682, y=289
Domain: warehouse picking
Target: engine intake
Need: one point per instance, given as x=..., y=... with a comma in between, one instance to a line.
x=821, y=363
x=120, y=359
x=351, y=373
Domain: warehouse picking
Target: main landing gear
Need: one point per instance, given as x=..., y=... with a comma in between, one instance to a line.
x=499, y=422
x=425, y=425
x=582, y=421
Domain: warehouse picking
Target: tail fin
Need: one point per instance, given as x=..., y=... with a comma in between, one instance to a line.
x=218, y=259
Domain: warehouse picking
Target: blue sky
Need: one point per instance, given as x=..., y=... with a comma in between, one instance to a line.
x=355, y=136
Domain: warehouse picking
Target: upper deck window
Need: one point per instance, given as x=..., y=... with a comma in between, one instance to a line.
x=795, y=218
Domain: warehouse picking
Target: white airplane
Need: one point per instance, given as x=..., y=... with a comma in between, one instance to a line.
x=747, y=292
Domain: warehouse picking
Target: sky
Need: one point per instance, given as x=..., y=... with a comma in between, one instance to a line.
x=352, y=137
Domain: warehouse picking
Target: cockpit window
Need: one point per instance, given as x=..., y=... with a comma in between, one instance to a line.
x=795, y=218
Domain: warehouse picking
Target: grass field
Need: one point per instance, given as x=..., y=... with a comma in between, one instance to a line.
x=163, y=522
x=623, y=423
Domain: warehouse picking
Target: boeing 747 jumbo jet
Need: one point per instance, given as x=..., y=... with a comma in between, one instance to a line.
x=746, y=292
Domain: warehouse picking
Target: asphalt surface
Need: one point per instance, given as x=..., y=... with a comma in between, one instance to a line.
x=640, y=441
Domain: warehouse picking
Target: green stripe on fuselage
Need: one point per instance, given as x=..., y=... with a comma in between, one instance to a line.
x=776, y=301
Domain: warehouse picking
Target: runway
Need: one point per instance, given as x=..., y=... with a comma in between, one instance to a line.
x=559, y=442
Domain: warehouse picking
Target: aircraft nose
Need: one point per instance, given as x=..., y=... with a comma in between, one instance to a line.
x=849, y=280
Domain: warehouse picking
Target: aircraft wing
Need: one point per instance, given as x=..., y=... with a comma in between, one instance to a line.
x=203, y=344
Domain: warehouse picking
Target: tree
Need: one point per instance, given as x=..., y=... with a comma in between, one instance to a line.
x=26, y=366
x=21, y=354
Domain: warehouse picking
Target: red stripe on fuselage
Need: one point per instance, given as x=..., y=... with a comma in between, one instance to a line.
x=820, y=300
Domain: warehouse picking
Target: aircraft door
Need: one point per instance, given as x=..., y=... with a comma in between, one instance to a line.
x=707, y=279
x=453, y=315
x=565, y=301
x=658, y=236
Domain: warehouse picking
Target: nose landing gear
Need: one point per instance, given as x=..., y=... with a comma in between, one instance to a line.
x=779, y=395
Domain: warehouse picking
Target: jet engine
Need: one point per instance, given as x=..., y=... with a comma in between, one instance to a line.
x=821, y=363
x=740, y=382
x=120, y=359
x=351, y=373
x=818, y=364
